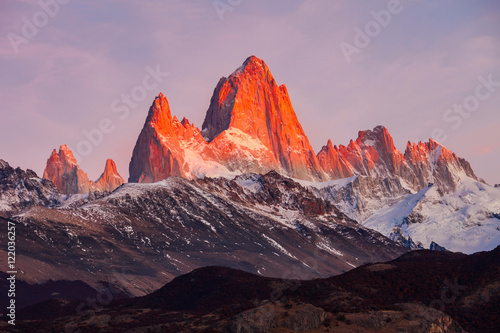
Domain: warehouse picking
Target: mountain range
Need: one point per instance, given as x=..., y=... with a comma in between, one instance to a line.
x=245, y=191
x=64, y=172
x=154, y=232
x=251, y=127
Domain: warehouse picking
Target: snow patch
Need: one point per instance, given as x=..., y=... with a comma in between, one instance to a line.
x=335, y=184
x=277, y=246
x=467, y=220
x=328, y=248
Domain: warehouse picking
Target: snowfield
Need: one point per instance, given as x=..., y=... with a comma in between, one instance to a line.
x=467, y=220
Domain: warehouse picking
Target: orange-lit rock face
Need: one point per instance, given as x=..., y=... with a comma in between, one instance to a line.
x=110, y=178
x=432, y=162
x=374, y=154
x=157, y=153
x=250, y=126
x=251, y=107
x=63, y=170
x=239, y=151
x=425, y=152
x=191, y=141
x=382, y=150
x=65, y=173
x=333, y=162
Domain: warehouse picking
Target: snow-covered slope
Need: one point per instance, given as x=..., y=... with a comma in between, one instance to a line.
x=359, y=197
x=20, y=189
x=389, y=217
x=467, y=220
x=155, y=231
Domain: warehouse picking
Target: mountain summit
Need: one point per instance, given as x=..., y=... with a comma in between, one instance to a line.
x=250, y=126
x=110, y=178
x=157, y=153
x=249, y=107
x=373, y=154
x=167, y=147
x=63, y=170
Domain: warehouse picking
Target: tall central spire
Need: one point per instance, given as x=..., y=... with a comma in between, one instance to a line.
x=251, y=101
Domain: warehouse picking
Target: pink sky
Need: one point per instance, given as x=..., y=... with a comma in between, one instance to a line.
x=66, y=77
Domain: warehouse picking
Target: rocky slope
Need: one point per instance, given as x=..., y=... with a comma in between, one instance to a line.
x=110, y=178
x=64, y=172
x=250, y=106
x=143, y=235
x=31, y=294
x=21, y=189
x=386, y=180
x=421, y=291
x=251, y=127
x=466, y=220
x=360, y=197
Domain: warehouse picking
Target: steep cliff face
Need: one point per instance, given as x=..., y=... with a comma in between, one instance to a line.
x=157, y=153
x=251, y=118
x=383, y=175
x=168, y=147
x=431, y=162
x=374, y=155
x=65, y=173
x=333, y=162
x=110, y=178
x=63, y=170
x=376, y=152
x=250, y=126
